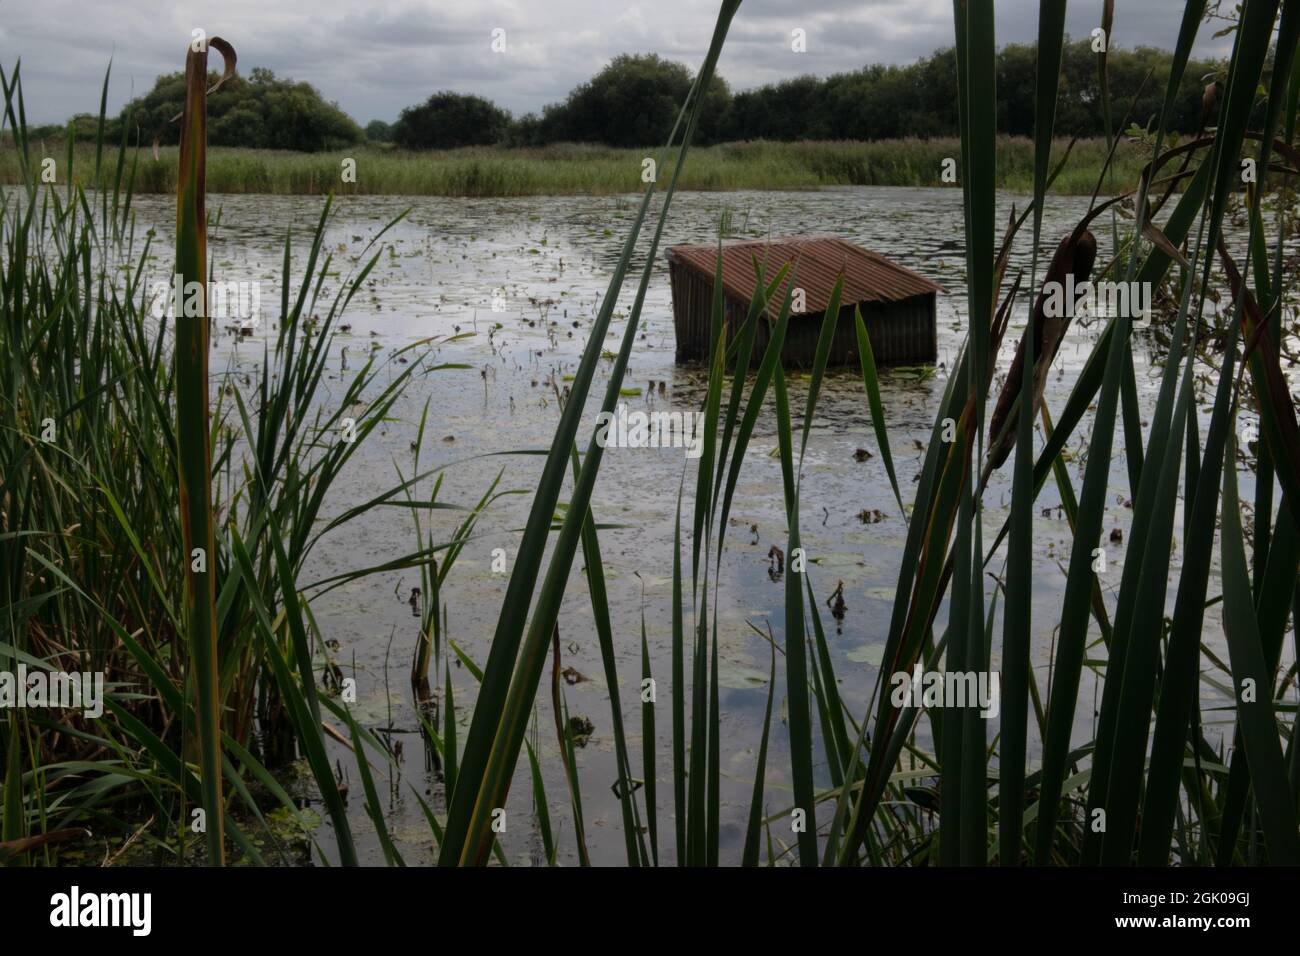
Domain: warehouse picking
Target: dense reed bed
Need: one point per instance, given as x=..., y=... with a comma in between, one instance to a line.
x=96, y=555
x=147, y=530
x=596, y=170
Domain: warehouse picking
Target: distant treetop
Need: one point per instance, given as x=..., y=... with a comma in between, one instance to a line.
x=635, y=100
x=448, y=120
x=258, y=111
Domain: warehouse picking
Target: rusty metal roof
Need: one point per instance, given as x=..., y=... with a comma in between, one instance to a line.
x=818, y=262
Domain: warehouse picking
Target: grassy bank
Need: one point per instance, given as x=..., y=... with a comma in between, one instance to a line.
x=571, y=169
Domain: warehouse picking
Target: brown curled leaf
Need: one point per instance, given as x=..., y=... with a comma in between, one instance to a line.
x=228, y=60
x=1151, y=232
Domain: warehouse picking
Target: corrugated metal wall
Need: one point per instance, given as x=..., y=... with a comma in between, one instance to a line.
x=901, y=333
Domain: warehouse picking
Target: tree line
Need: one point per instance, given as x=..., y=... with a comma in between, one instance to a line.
x=261, y=111
x=634, y=101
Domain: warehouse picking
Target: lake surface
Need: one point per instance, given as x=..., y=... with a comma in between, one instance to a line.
x=548, y=261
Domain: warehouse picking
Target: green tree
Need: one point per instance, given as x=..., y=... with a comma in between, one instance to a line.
x=920, y=99
x=787, y=111
x=451, y=120
x=377, y=131
x=525, y=131
x=634, y=101
x=260, y=112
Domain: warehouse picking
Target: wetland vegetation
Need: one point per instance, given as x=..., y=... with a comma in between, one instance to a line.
x=568, y=169
x=603, y=655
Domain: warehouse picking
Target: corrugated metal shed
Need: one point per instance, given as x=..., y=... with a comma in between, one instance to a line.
x=898, y=305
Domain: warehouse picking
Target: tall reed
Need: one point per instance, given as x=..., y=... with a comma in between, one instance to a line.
x=193, y=445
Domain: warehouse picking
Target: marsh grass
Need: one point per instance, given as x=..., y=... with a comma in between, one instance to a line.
x=576, y=169
x=97, y=442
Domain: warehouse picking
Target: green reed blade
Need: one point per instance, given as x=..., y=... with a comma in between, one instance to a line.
x=539, y=804
x=871, y=383
x=605, y=637
x=648, y=741
x=1248, y=51
x=194, y=454
x=679, y=687
x=492, y=744
x=1253, y=685
x=749, y=856
x=1016, y=668
x=796, y=666
x=448, y=728
x=294, y=693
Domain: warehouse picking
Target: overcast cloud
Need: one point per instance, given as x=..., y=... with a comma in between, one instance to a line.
x=373, y=58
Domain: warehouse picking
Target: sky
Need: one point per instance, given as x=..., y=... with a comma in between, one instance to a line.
x=374, y=57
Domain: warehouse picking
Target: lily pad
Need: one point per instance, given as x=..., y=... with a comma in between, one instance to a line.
x=871, y=654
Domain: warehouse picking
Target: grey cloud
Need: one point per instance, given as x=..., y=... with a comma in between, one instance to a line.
x=375, y=58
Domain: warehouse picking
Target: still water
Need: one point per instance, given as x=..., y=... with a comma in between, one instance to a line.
x=546, y=262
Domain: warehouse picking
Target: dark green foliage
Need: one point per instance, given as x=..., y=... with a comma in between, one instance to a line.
x=448, y=120
x=887, y=102
x=258, y=111
x=377, y=131
x=632, y=102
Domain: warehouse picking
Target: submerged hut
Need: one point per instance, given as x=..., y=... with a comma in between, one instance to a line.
x=897, y=304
